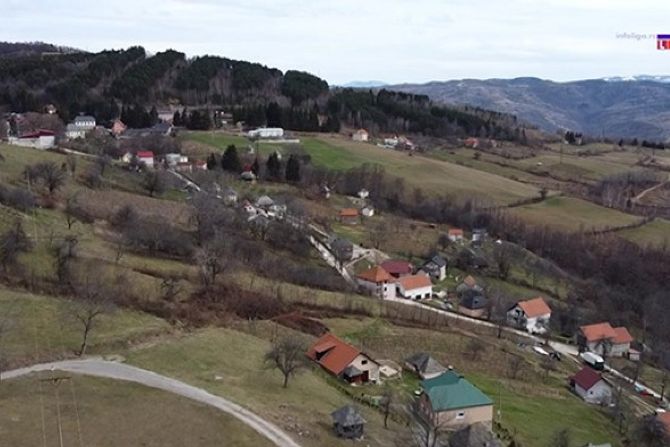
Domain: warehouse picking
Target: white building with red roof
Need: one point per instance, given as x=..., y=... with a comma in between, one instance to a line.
x=590, y=386
x=146, y=157
x=415, y=287
x=531, y=315
x=378, y=282
x=605, y=340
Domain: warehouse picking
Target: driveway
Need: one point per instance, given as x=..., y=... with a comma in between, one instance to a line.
x=120, y=371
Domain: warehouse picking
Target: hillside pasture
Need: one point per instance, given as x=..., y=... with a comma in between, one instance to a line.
x=571, y=214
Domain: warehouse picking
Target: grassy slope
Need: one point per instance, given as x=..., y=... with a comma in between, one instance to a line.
x=653, y=233
x=237, y=359
x=113, y=413
x=571, y=214
x=39, y=327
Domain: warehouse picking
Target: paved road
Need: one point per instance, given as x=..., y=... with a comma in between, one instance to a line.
x=120, y=371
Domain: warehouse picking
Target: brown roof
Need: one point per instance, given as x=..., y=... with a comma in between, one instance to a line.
x=397, y=267
x=622, y=336
x=664, y=418
x=349, y=212
x=599, y=331
x=334, y=354
x=470, y=281
x=375, y=274
x=414, y=282
x=535, y=307
x=455, y=232
x=587, y=378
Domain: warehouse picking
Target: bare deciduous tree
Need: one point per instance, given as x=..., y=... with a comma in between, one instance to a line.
x=475, y=348
x=515, y=364
x=154, y=182
x=13, y=242
x=288, y=356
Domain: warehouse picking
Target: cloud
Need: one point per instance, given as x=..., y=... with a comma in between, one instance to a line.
x=392, y=40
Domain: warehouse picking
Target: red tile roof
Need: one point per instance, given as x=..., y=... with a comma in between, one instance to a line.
x=622, y=336
x=397, y=267
x=535, y=307
x=334, y=354
x=375, y=274
x=587, y=378
x=455, y=232
x=415, y=282
x=145, y=154
x=470, y=281
x=599, y=331
x=349, y=212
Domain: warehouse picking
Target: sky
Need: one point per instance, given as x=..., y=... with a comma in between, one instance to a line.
x=389, y=40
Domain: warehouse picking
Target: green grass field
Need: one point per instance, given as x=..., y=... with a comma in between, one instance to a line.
x=40, y=327
x=656, y=233
x=571, y=214
x=100, y=412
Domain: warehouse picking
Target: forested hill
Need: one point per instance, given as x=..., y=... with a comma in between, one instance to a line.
x=104, y=83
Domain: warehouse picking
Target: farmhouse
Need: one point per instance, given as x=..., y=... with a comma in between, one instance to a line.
x=435, y=267
x=531, y=315
x=605, y=340
x=41, y=139
x=349, y=216
x=590, y=386
x=118, y=128
x=368, y=211
x=424, y=365
x=471, y=142
x=266, y=132
x=343, y=360
x=450, y=401
x=397, y=268
x=360, y=135
x=146, y=158
x=455, y=234
x=415, y=287
x=377, y=281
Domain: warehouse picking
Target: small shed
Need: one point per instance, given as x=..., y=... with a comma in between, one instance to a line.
x=348, y=422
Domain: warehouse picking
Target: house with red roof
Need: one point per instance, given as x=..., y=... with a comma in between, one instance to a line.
x=39, y=139
x=590, y=386
x=349, y=216
x=415, y=287
x=360, y=135
x=343, y=360
x=531, y=315
x=378, y=282
x=455, y=234
x=146, y=157
x=397, y=267
x=604, y=340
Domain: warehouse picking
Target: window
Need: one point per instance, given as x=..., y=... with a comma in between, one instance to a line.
x=460, y=415
x=364, y=362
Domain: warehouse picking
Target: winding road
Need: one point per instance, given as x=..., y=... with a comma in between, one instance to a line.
x=119, y=371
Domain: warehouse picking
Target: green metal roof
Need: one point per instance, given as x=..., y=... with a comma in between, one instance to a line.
x=450, y=391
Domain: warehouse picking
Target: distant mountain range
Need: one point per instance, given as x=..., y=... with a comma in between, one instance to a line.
x=611, y=107
x=364, y=84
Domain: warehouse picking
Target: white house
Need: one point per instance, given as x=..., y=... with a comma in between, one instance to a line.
x=72, y=132
x=173, y=159
x=415, y=287
x=363, y=194
x=368, y=211
x=605, y=340
x=455, y=234
x=360, y=135
x=530, y=315
x=266, y=132
x=378, y=282
x=42, y=139
x=590, y=386
x=85, y=122
x=146, y=157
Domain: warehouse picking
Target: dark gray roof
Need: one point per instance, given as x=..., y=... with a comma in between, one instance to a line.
x=473, y=299
x=438, y=260
x=348, y=416
x=425, y=363
x=84, y=118
x=351, y=371
x=475, y=435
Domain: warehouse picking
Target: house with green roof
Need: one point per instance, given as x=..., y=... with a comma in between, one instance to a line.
x=450, y=401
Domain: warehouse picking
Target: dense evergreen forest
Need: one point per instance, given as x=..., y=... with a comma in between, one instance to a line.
x=110, y=83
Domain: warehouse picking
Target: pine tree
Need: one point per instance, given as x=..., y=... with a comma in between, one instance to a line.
x=273, y=166
x=293, y=169
x=176, y=118
x=153, y=116
x=230, y=160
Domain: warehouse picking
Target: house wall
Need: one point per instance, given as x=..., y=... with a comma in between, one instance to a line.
x=600, y=393
x=43, y=142
x=415, y=294
x=380, y=290
x=149, y=162
x=517, y=317
x=619, y=350
x=365, y=363
x=451, y=418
